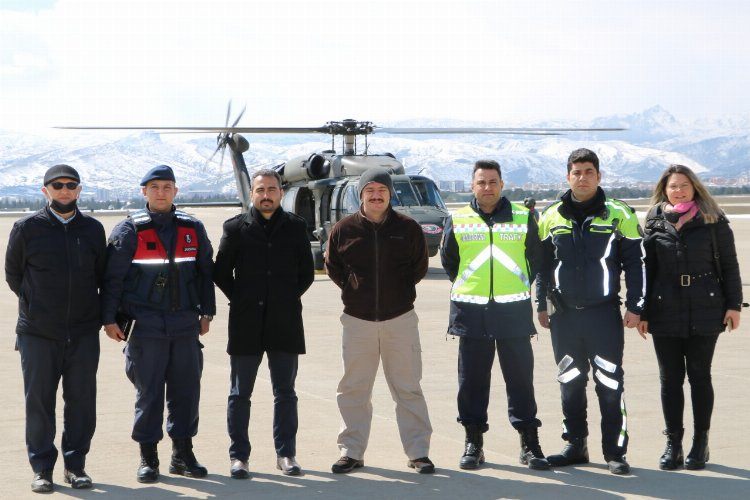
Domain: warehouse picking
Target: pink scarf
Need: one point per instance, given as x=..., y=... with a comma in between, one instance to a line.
x=687, y=209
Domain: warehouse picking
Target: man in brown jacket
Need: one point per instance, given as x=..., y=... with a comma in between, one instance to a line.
x=377, y=256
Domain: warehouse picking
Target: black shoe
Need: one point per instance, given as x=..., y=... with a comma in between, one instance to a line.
x=42, y=482
x=531, y=451
x=698, y=456
x=473, y=455
x=183, y=461
x=239, y=469
x=617, y=465
x=575, y=452
x=148, y=471
x=77, y=479
x=422, y=465
x=346, y=464
x=673, y=457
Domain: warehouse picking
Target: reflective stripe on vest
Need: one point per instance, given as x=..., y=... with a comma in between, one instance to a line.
x=618, y=221
x=498, y=254
x=155, y=282
x=151, y=251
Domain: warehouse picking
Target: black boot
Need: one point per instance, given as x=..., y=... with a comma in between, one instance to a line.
x=148, y=472
x=575, y=452
x=673, y=458
x=698, y=455
x=473, y=455
x=184, y=462
x=531, y=452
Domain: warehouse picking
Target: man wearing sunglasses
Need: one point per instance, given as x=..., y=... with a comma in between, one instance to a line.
x=159, y=270
x=55, y=265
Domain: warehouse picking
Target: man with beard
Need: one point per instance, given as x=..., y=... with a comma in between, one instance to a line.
x=377, y=256
x=263, y=266
x=587, y=240
x=55, y=264
x=159, y=266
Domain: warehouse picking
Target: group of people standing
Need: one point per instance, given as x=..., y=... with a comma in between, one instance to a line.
x=152, y=284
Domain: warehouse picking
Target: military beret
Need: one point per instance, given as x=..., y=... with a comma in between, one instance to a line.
x=160, y=173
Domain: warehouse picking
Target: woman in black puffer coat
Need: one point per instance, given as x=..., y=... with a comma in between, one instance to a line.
x=694, y=292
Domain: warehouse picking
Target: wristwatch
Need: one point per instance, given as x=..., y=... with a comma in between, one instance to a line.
x=209, y=318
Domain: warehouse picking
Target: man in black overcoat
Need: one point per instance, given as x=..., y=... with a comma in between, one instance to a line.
x=264, y=265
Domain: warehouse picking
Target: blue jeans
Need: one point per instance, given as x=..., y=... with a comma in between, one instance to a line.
x=283, y=368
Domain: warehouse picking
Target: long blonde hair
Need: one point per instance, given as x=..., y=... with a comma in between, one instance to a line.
x=707, y=206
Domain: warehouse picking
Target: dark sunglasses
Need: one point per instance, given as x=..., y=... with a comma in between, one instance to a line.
x=59, y=185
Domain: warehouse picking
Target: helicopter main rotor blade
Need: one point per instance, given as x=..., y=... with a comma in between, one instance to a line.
x=491, y=130
x=230, y=130
x=229, y=112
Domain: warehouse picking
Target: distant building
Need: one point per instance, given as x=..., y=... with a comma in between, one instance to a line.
x=456, y=186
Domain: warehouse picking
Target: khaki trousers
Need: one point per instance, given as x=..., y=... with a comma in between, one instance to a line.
x=396, y=341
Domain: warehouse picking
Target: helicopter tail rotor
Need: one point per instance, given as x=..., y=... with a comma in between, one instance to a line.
x=225, y=136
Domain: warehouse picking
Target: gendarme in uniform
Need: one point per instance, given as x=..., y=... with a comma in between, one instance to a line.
x=159, y=271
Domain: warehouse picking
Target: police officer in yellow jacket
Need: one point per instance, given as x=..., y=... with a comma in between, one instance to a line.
x=587, y=239
x=490, y=250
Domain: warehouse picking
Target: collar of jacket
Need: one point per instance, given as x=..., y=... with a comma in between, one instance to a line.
x=598, y=207
x=250, y=219
x=502, y=213
x=47, y=214
x=363, y=218
x=253, y=215
x=655, y=219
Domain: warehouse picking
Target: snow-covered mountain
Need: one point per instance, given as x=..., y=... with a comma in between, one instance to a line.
x=114, y=163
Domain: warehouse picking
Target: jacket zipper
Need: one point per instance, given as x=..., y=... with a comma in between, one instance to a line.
x=377, y=278
x=70, y=282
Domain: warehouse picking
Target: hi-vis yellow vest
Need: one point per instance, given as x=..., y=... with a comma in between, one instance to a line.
x=492, y=262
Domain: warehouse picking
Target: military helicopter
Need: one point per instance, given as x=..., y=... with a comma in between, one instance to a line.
x=321, y=187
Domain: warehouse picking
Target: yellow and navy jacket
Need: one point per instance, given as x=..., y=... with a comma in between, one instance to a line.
x=584, y=261
x=491, y=260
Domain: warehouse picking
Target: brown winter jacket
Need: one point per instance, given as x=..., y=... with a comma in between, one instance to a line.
x=377, y=265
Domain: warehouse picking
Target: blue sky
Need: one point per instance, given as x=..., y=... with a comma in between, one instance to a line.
x=159, y=62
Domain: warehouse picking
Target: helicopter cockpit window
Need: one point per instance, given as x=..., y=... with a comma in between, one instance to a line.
x=429, y=194
x=404, y=195
x=350, y=202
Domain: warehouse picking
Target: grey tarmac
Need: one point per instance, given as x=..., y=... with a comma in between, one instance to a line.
x=114, y=457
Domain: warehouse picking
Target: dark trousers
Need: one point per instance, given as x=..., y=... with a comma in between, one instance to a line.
x=283, y=368
x=594, y=337
x=475, y=358
x=153, y=363
x=676, y=356
x=44, y=362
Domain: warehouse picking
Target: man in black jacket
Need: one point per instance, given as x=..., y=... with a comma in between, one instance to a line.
x=264, y=265
x=490, y=252
x=54, y=264
x=377, y=256
x=588, y=241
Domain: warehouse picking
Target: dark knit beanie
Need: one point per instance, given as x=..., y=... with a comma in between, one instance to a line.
x=375, y=174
